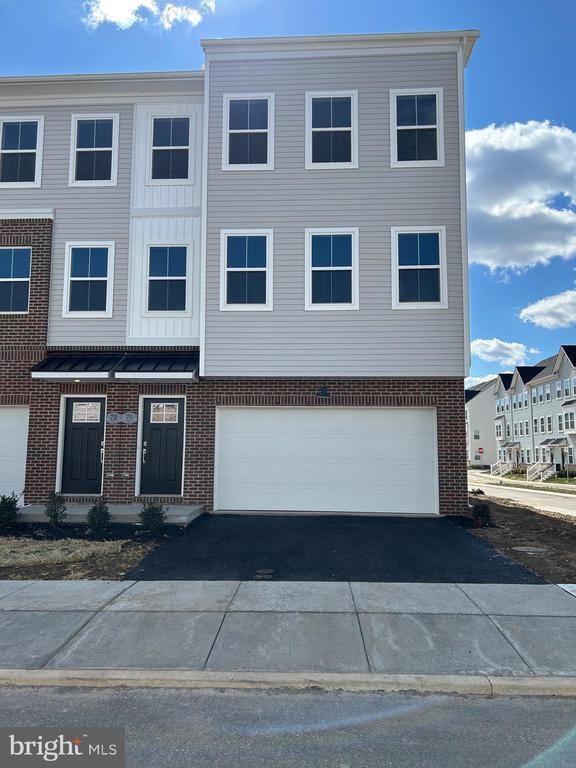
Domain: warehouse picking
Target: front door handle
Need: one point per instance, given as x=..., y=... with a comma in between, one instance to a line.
x=143, y=455
x=102, y=455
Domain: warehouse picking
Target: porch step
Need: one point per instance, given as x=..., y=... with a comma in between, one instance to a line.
x=178, y=514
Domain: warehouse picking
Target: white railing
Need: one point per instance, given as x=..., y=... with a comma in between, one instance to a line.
x=540, y=471
x=501, y=468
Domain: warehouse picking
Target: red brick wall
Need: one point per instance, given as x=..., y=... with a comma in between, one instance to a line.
x=447, y=395
x=23, y=336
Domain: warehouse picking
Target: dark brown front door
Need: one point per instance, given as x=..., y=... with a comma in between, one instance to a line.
x=162, y=447
x=83, y=445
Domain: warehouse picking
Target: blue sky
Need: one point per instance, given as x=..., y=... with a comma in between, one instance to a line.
x=522, y=173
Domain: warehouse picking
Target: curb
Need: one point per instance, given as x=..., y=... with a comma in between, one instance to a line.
x=477, y=685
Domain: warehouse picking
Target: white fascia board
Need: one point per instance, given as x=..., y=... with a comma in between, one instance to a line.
x=23, y=213
x=151, y=376
x=67, y=375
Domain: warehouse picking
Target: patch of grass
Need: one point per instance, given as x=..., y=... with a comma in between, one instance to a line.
x=19, y=551
x=562, y=481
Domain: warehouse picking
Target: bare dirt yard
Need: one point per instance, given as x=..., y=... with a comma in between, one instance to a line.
x=516, y=525
x=38, y=552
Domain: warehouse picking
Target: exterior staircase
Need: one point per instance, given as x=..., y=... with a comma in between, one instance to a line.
x=501, y=468
x=540, y=471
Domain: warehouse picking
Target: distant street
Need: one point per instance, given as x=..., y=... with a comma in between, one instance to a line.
x=562, y=503
x=210, y=729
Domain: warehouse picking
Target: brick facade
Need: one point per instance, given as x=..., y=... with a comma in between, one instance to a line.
x=446, y=395
x=23, y=336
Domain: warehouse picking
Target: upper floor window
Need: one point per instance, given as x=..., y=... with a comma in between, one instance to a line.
x=476, y=434
x=14, y=280
x=21, y=140
x=246, y=270
x=416, y=127
x=574, y=386
x=170, y=149
x=560, y=423
x=548, y=393
x=248, y=132
x=534, y=396
x=332, y=129
x=94, y=156
x=499, y=431
x=89, y=270
x=558, y=389
x=513, y=402
x=419, y=267
x=540, y=394
x=566, y=387
x=331, y=269
x=167, y=278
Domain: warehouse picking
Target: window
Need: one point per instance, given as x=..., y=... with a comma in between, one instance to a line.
x=167, y=278
x=527, y=428
x=566, y=387
x=558, y=390
x=507, y=403
x=549, y=423
x=548, y=393
x=570, y=455
x=560, y=423
x=246, y=270
x=540, y=394
x=498, y=431
x=419, y=266
x=542, y=425
x=14, y=279
x=525, y=397
x=534, y=397
x=332, y=130
x=89, y=269
x=507, y=430
x=416, y=128
x=527, y=455
x=515, y=429
x=85, y=412
x=536, y=454
x=476, y=434
x=521, y=456
x=21, y=140
x=248, y=132
x=513, y=402
x=170, y=148
x=163, y=413
x=94, y=150
x=574, y=386
x=521, y=428
x=331, y=269
x=569, y=422
x=535, y=426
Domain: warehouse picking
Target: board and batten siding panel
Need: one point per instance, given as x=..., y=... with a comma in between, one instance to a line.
x=157, y=195
x=374, y=340
x=143, y=329
x=81, y=213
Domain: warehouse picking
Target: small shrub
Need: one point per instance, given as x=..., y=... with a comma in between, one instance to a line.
x=55, y=509
x=152, y=516
x=8, y=510
x=99, y=517
x=482, y=516
x=476, y=492
x=562, y=474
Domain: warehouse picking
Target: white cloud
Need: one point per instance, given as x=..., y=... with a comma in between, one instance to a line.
x=515, y=171
x=472, y=381
x=504, y=352
x=557, y=311
x=125, y=13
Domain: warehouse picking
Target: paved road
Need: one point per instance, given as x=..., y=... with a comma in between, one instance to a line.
x=542, y=500
x=208, y=729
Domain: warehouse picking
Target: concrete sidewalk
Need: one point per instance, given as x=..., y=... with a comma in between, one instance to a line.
x=365, y=629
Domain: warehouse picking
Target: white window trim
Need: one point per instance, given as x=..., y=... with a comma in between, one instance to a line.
x=113, y=181
x=353, y=95
x=443, y=303
x=394, y=162
x=18, y=279
x=39, y=151
x=226, y=99
x=269, y=235
x=187, y=312
x=110, y=244
x=191, y=138
x=338, y=307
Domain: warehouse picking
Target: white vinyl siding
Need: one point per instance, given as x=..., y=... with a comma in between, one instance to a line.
x=13, y=445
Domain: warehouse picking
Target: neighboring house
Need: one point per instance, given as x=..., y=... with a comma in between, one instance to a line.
x=243, y=287
x=480, y=437
x=535, y=411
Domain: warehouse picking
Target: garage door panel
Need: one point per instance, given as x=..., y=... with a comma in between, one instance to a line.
x=13, y=446
x=375, y=460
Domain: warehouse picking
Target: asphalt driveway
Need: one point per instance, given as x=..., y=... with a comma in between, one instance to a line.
x=329, y=548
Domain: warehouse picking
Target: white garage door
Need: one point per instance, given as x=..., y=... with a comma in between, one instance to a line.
x=13, y=442
x=372, y=460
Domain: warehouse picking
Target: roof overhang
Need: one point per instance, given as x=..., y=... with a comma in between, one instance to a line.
x=341, y=45
x=130, y=366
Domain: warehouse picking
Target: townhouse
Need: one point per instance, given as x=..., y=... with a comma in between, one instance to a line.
x=481, y=450
x=243, y=287
x=534, y=412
